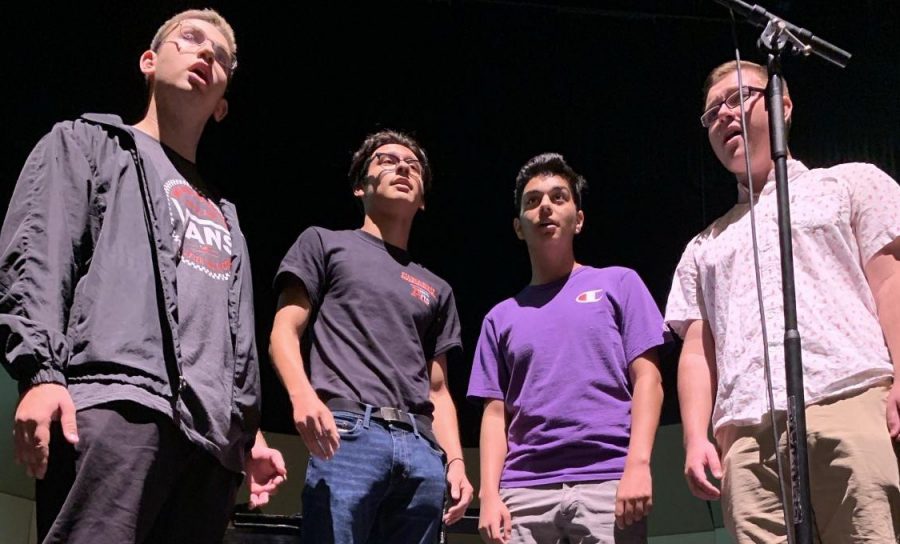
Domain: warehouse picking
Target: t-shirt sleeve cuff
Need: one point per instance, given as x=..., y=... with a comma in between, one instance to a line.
x=649, y=343
x=446, y=348
x=478, y=396
x=290, y=272
x=679, y=323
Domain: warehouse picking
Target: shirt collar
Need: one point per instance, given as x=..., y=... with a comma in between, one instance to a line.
x=795, y=169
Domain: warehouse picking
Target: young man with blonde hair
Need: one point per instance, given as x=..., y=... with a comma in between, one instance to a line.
x=127, y=315
x=845, y=223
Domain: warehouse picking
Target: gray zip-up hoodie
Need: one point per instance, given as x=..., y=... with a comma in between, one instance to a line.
x=88, y=289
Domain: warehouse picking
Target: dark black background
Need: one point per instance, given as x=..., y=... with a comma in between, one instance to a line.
x=613, y=85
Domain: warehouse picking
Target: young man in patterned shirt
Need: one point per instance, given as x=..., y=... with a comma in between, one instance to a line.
x=845, y=226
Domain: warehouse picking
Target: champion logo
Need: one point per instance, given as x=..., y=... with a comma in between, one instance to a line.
x=590, y=296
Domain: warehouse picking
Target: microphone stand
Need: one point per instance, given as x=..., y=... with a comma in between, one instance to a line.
x=777, y=38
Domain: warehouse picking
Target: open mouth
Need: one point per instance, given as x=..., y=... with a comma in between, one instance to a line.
x=731, y=134
x=201, y=71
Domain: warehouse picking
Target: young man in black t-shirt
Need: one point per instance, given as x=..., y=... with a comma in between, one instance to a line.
x=375, y=411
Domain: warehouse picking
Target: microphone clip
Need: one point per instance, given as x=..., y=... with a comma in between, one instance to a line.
x=777, y=37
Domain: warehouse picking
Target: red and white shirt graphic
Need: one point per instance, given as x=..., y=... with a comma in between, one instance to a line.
x=199, y=230
x=420, y=289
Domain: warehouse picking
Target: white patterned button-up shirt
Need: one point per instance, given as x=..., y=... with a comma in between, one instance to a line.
x=841, y=217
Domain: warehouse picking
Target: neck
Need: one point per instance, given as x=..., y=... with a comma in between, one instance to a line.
x=759, y=173
x=759, y=179
x=548, y=265
x=392, y=230
x=179, y=128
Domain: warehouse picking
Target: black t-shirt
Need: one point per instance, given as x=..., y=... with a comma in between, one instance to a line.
x=377, y=318
x=203, y=255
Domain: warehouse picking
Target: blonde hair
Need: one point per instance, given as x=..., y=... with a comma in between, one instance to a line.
x=209, y=15
x=722, y=70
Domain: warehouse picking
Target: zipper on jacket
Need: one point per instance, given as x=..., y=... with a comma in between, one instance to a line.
x=153, y=236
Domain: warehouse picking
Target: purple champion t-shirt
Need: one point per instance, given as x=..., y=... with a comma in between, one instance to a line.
x=558, y=355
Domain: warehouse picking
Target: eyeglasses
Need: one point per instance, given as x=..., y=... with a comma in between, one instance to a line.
x=389, y=161
x=732, y=101
x=189, y=38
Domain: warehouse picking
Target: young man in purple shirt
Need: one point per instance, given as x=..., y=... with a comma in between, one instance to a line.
x=569, y=375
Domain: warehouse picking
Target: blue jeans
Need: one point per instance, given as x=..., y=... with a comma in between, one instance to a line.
x=386, y=484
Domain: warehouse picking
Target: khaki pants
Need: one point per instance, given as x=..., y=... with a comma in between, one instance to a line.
x=576, y=513
x=854, y=477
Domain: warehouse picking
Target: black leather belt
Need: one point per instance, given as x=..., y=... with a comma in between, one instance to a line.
x=388, y=414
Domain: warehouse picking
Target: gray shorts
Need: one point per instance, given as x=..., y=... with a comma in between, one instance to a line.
x=577, y=512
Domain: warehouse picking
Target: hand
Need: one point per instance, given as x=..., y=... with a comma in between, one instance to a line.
x=265, y=472
x=893, y=411
x=38, y=407
x=494, y=521
x=702, y=455
x=634, y=497
x=461, y=492
x=315, y=423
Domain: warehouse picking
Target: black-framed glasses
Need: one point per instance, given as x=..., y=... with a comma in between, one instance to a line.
x=389, y=161
x=190, y=38
x=732, y=101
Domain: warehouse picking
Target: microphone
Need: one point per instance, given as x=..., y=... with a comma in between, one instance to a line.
x=758, y=16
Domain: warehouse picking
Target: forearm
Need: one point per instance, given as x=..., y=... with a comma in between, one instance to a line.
x=697, y=380
x=645, y=410
x=695, y=396
x=288, y=361
x=446, y=426
x=492, y=446
x=888, y=301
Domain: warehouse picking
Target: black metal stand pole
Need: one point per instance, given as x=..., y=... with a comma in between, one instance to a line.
x=801, y=506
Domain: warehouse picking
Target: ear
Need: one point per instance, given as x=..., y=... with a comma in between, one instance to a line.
x=221, y=110
x=147, y=63
x=788, y=107
x=579, y=222
x=422, y=195
x=358, y=191
x=517, y=226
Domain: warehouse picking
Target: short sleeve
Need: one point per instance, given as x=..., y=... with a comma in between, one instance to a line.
x=685, y=303
x=641, y=324
x=444, y=334
x=305, y=262
x=489, y=378
x=874, y=208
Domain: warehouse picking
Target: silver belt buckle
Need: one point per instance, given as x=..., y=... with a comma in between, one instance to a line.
x=391, y=414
